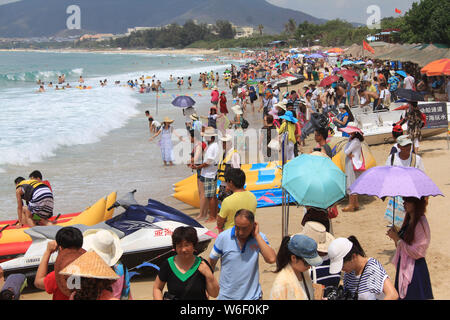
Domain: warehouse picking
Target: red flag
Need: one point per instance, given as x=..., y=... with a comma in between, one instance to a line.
x=397, y=10
x=367, y=47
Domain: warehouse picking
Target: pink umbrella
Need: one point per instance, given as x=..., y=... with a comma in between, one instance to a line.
x=328, y=80
x=348, y=72
x=350, y=129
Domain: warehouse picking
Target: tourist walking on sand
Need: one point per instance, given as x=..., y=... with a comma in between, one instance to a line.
x=354, y=163
x=230, y=159
x=289, y=128
x=188, y=276
x=238, y=248
x=239, y=199
x=412, y=279
x=364, y=278
x=295, y=257
x=165, y=142
x=208, y=175
x=404, y=157
x=414, y=121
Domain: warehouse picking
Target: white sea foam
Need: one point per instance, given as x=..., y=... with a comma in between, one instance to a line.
x=35, y=125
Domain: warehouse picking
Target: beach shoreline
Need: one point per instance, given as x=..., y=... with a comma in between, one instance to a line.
x=191, y=51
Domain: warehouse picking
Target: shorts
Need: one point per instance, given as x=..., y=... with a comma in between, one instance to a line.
x=215, y=102
x=42, y=209
x=210, y=186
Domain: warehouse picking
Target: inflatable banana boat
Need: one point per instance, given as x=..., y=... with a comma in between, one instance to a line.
x=14, y=242
x=262, y=179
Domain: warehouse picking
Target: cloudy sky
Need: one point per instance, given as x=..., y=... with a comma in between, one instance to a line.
x=350, y=10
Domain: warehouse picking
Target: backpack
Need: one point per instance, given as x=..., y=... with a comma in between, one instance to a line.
x=244, y=124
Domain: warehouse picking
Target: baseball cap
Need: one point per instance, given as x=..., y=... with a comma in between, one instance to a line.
x=404, y=140
x=305, y=247
x=337, y=250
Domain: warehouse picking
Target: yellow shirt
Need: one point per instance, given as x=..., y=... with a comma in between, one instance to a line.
x=235, y=202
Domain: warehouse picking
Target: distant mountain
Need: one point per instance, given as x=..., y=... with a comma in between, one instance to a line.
x=38, y=18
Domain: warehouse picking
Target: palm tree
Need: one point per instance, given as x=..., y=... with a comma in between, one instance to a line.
x=260, y=28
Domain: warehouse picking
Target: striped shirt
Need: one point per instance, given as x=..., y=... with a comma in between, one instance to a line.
x=372, y=281
x=322, y=274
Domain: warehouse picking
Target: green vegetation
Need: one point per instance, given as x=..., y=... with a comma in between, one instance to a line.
x=425, y=22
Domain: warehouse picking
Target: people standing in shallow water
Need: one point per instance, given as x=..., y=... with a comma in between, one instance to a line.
x=166, y=141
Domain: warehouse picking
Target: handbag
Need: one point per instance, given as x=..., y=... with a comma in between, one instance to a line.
x=363, y=166
x=333, y=212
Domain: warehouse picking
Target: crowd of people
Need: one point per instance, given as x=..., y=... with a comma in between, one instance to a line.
x=310, y=265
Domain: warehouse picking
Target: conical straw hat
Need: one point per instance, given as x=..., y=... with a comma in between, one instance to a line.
x=90, y=265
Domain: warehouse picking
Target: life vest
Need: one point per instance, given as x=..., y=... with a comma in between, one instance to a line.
x=224, y=165
x=29, y=186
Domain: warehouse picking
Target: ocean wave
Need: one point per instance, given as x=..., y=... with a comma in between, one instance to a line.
x=33, y=76
x=31, y=133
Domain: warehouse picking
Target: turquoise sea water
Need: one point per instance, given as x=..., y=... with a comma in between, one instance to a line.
x=88, y=143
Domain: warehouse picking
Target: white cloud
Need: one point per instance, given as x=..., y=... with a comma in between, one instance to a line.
x=2, y=2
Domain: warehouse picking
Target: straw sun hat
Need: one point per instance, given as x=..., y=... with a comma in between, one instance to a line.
x=90, y=265
x=168, y=120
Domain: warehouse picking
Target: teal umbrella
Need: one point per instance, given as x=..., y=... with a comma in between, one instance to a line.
x=314, y=180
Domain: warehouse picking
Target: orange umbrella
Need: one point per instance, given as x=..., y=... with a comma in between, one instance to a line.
x=335, y=50
x=437, y=68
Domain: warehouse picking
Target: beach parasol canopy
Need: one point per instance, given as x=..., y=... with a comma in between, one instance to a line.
x=335, y=50
x=183, y=102
x=410, y=95
x=437, y=68
x=347, y=62
x=314, y=181
x=392, y=181
x=315, y=56
x=328, y=80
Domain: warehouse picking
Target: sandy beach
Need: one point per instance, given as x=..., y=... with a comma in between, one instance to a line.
x=367, y=224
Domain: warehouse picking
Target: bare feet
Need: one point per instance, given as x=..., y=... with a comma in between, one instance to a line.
x=211, y=220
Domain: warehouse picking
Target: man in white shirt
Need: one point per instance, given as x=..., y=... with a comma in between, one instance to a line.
x=405, y=158
x=409, y=82
x=208, y=174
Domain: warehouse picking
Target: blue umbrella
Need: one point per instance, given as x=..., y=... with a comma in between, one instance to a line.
x=314, y=181
x=402, y=73
x=183, y=102
x=315, y=56
x=347, y=62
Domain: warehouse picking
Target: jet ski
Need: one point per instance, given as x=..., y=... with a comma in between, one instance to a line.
x=144, y=233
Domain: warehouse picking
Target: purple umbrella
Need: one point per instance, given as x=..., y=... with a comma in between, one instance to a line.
x=391, y=181
x=183, y=102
